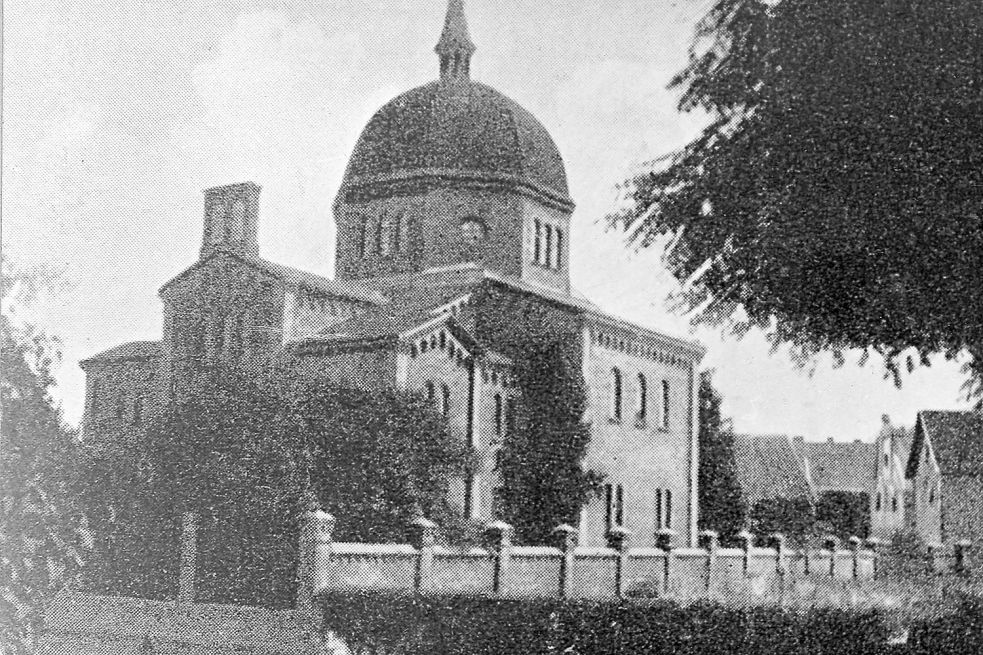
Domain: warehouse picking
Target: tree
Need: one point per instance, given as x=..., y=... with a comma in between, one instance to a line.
x=541, y=461
x=42, y=540
x=722, y=507
x=836, y=194
x=846, y=512
x=244, y=451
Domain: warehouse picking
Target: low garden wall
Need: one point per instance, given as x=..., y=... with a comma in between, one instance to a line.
x=570, y=571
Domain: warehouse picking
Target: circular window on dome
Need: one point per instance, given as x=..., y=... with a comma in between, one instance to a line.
x=473, y=229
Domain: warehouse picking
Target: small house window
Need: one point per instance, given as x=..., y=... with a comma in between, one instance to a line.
x=537, y=242
x=445, y=398
x=894, y=503
x=877, y=505
x=431, y=392
x=120, y=406
x=548, y=255
x=642, y=397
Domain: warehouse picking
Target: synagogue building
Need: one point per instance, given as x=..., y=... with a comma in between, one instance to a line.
x=453, y=235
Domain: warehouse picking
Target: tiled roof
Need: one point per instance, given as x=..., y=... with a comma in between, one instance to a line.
x=768, y=467
x=956, y=438
x=292, y=276
x=409, y=309
x=841, y=466
x=131, y=350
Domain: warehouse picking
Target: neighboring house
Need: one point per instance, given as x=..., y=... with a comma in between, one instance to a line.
x=890, y=504
x=453, y=228
x=843, y=477
x=774, y=486
x=945, y=471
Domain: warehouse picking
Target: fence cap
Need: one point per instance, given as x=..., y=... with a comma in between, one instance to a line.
x=499, y=526
x=745, y=535
x=964, y=543
x=709, y=534
x=855, y=541
x=874, y=542
x=423, y=523
x=565, y=529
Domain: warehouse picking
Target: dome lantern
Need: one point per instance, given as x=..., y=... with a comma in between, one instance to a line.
x=455, y=46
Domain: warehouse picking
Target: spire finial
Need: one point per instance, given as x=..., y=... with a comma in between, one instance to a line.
x=455, y=46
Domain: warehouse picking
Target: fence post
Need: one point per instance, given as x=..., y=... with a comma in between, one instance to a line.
x=566, y=537
x=316, y=536
x=709, y=541
x=618, y=538
x=931, y=553
x=874, y=544
x=189, y=558
x=664, y=541
x=855, y=543
x=747, y=545
x=832, y=544
x=424, y=539
x=500, y=537
x=962, y=548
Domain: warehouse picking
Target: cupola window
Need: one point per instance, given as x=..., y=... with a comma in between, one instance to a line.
x=473, y=230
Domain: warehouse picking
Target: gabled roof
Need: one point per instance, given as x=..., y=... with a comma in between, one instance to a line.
x=291, y=277
x=956, y=438
x=410, y=308
x=133, y=350
x=841, y=466
x=769, y=467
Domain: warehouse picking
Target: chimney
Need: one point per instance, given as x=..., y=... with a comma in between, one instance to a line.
x=232, y=219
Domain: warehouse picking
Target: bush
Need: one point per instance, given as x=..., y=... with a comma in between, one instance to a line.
x=381, y=623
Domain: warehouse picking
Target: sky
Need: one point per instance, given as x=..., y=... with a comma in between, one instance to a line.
x=116, y=115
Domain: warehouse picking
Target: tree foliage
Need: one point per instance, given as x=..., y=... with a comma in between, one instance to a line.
x=42, y=540
x=835, y=194
x=722, y=507
x=846, y=512
x=542, y=459
x=244, y=451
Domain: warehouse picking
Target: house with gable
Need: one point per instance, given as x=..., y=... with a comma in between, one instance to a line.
x=891, y=504
x=453, y=234
x=945, y=473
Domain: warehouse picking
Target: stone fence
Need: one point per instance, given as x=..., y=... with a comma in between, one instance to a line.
x=571, y=571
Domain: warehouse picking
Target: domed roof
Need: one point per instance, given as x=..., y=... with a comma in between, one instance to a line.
x=461, y=131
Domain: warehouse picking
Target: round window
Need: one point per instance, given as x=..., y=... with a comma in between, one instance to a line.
x=473, y=229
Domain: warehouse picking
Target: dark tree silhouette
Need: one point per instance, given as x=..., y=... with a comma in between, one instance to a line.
x=722, y=508
x=541, y=461
x=837, y=192
x=42, y=538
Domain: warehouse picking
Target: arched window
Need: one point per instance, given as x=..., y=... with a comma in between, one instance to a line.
x=668, y=508
x=642, y=397
x=665, y=404
x=548, y=246
x=498, y=415
x=363, y=237
x=445, y=396
x=616, y=394
x=558, y=260
x=431, y=392
x=537, y=243
x=383, y=235
x=400, y=232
